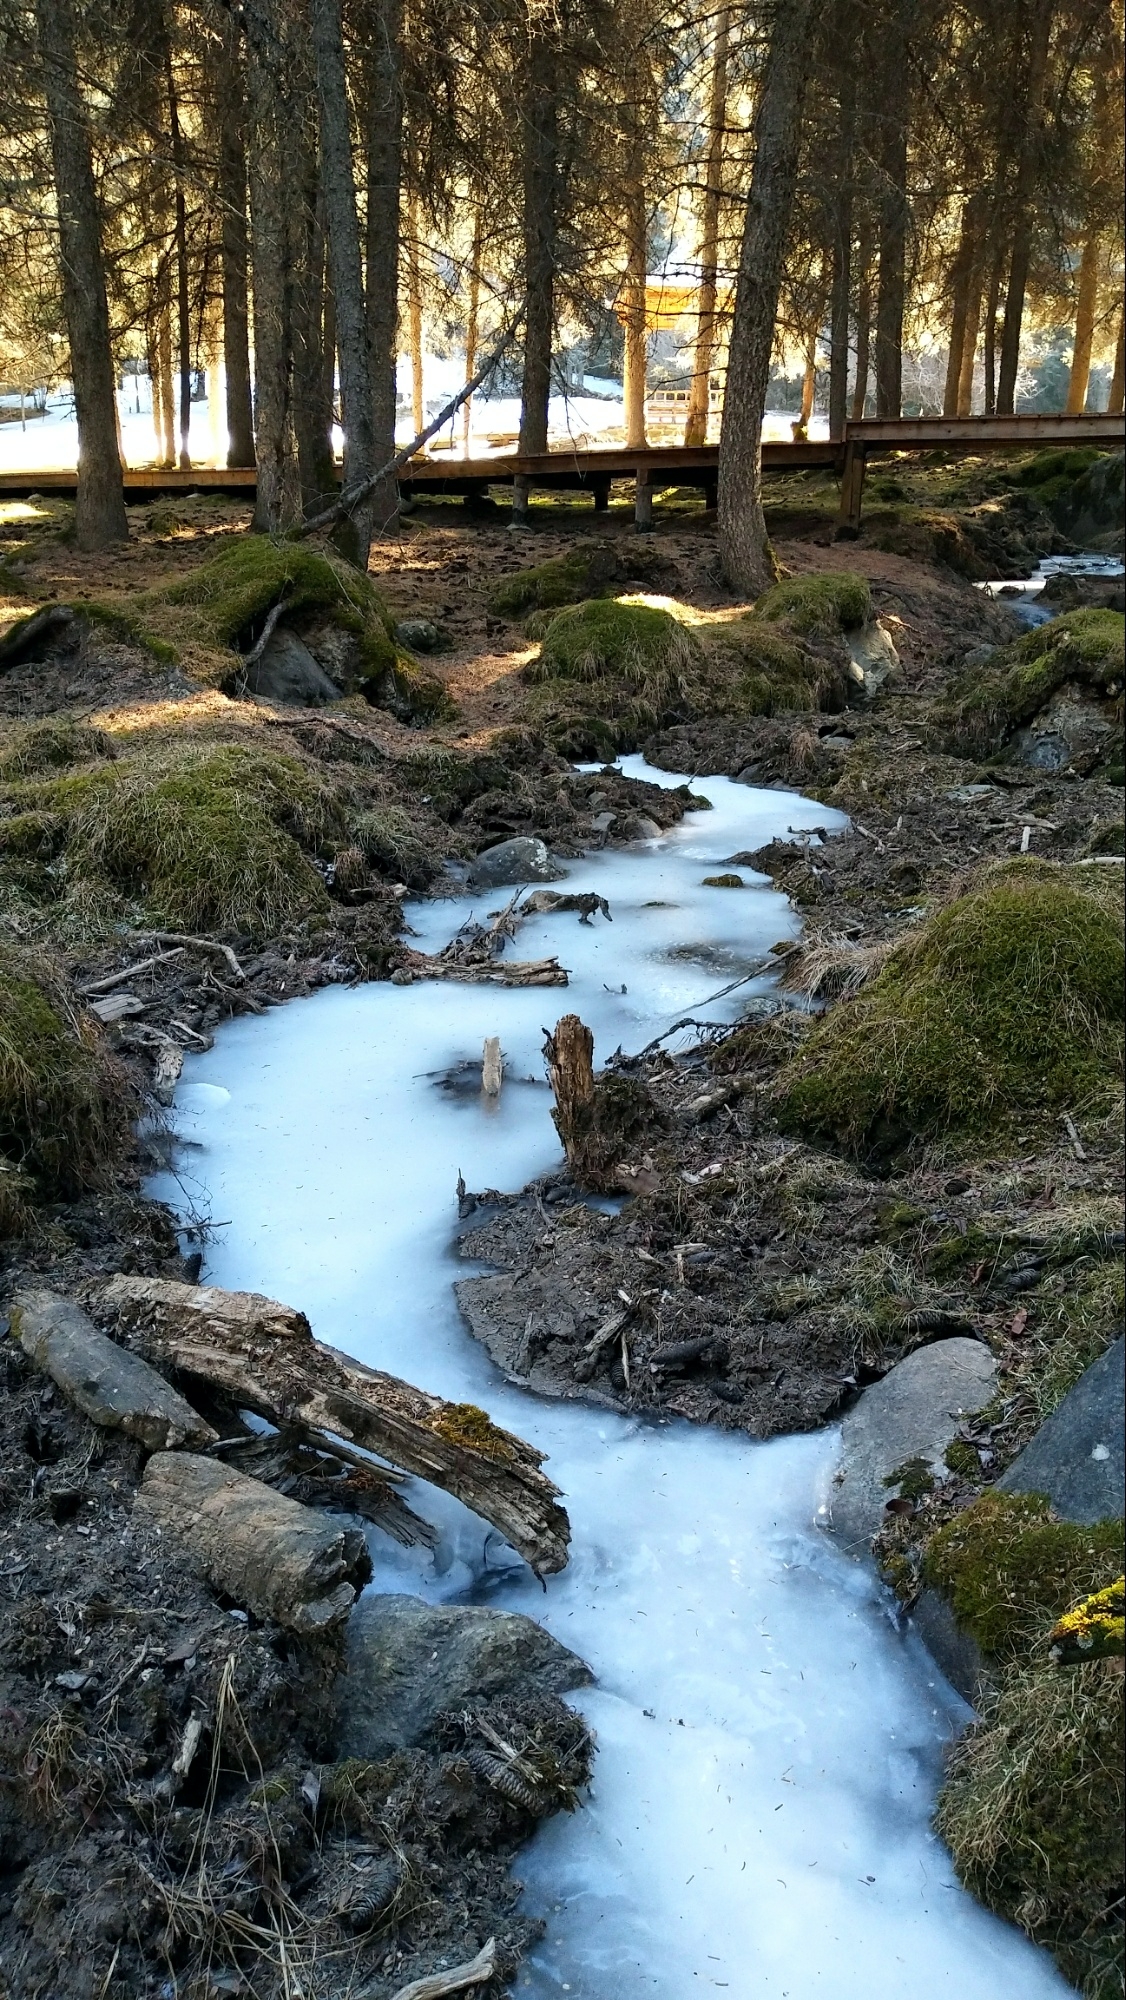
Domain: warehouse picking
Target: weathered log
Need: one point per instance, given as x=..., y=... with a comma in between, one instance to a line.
x=262, y=1356
x=278, y=1558
x=492, y=1067
x=599, y=1121
x=111, y=1386
x=570, y=1067
x=486, y=972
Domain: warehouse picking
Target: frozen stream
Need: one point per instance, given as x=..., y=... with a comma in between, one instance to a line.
x=769, y=1744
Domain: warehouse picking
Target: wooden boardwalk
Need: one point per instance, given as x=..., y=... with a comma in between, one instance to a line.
x=653, y=468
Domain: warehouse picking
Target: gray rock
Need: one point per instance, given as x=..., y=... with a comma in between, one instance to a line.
x=1077, y=1456
x=978, y=656
x=956, y=1652
x=872, y=657
x=1069, y=732
x=407, y=1661
x=913, y=1413
x=286, y=671
x=524, y=859
x=111, y=1386
x=420, y=634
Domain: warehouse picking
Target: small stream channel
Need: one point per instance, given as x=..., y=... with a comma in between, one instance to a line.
x=770, y=1742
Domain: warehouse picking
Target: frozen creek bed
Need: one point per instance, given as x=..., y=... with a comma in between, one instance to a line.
x=769, y=1744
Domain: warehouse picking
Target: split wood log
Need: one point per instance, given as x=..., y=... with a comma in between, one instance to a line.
x=262, y=1356
x=278, y=1558
x=492, y=1068
x=111, y=1386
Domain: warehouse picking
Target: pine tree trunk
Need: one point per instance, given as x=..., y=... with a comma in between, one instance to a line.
x=989, y=349
x=841, y=291
x=894, y=216
x=167, y=387
x=383, y=71
x=636, y=355
x=1024, y=217
x=347, y=269
x=414, y=317
x=152, y=351
x=969, y=346
x=744, y=546
x=271, y=195
x=1084, y=325
x=234, y=248
x=699, y=397
x=100, y=502
x=539, y=125
x=808, y=386
x=472, y=323
x=863, y=321
x=312, y=387
x=1118, y=379
x=961, y=274
x=183, y=280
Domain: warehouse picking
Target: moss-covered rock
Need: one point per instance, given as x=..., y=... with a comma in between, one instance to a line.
x=821, y=605
x=608, y=673
x=1009, y=998
x=1008, y=1570
x=595, y=569
x=64, y=1102
x=765, y=670
x=988, y=703
x=1093, y=1630
x=1032, y=1814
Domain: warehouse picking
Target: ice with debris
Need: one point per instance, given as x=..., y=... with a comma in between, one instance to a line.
x=769, y=1743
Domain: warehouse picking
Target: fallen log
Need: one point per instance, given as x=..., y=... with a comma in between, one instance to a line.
x=262, y=1356
x=111, y=1386
x=279, y=1559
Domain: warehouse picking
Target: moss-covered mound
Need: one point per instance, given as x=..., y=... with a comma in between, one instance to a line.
x=1009, y=1570
x=64, y=1103
x=765, y=670
x=822, y=605
x=1009, y=998
x=594, y=570
x=609, y=672
x=1032, y=1814
x=1087, y=648
x=199, y=837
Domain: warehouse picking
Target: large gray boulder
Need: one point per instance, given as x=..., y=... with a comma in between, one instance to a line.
x=407, y=1661
x=286, y=671
x=914, y=1413
x=1077, y=1456
x=524, y=859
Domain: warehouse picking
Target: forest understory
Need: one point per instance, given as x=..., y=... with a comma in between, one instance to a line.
x=915, y=1135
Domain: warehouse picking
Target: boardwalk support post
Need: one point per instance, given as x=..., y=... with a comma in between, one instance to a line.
x=852, y=485
x=521, y=487
x=643, y=503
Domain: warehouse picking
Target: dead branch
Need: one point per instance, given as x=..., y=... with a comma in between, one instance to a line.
x=474, y=1972
x=130, y=972
x=199, y=944
x=485, y=971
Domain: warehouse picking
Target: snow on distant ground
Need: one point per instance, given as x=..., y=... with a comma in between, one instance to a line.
x=583, y=422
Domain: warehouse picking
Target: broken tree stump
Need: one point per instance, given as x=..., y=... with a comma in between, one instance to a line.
x=261, y=1356
x=111, y=1386
x=280, y=1559
x=599, y=1120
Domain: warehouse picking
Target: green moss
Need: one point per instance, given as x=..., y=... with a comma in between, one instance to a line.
x=961, y=1458
x=465, y=1424
x=723, y=882
x=607, y=673
x=1032, y=1814
x=64, y=1104
x=767, y=672
x=582, y=573
x=1092, y=1630
x=208, y=840
x=448, y=781
x=388, y=840
x=912, y=1480
x=1008, y=1570
x=822, y=605
x=1010, y=998
x=1049, y=468
x=986, y=705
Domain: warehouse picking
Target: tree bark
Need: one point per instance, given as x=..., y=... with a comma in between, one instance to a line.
x=312, y=382
x=183, y=291
x=472, y=323
x=165, y=378
x=414, y=317
x=635, y=362
x=1084, y=324
x=961, y=275
x=1118, y=379
x=278, y=502
x=744, y=547
x=100, y=502
x=841, y=290
x=115, y=1389
x=539, y=127
x=863, y=321
x=358, y=416
x=699, y=398
x=234, y=248
x=894, y=215
x=1028, y=165
x=262, y=1356
x=384, y=178
x=989, y=347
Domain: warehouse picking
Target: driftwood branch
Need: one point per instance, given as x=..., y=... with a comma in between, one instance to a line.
x=200, y=944
x=130, y=972
x=474, y=1972
x=486, y=971
x=355, y=496
x=262, y=1356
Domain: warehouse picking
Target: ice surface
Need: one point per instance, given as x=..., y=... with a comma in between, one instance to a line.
x=769, y=1744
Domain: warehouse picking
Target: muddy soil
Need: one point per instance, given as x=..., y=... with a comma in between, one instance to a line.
x=763, y=1281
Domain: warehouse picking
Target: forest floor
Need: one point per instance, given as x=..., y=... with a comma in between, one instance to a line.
x=774, y=1260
